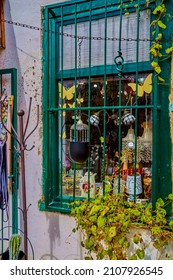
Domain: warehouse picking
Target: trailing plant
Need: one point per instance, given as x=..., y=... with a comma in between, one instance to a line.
x=108, y=221
x=157, y=26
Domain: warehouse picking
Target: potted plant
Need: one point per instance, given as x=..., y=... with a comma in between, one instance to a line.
x=113, y=227
x=14, y=252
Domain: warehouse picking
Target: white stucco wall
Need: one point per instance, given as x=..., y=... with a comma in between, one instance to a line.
x=48, y=232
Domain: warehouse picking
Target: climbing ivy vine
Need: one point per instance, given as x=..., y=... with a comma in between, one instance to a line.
x=158, y=27
x=157, y=31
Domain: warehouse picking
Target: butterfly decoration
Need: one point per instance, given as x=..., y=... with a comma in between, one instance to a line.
x=71, y=105
x=145, y=87
x=80, y=100
x=66, y=93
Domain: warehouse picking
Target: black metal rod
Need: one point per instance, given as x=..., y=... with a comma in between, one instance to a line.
x=22, y=158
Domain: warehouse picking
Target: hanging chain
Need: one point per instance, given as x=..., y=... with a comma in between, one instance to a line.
x=79, y=53
x=97, y=38
x=119, y=60
x=79, y=67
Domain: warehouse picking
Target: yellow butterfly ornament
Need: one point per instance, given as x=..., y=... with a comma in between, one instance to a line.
x=66, y=93
x=71, y=105
x=145, y=87
x=80, y=100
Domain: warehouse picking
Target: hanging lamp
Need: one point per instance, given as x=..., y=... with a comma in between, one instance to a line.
x=128, y=145
x=79, y=144
x=145, y=144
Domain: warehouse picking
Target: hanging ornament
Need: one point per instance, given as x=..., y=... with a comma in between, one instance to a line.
x=79, y=145
x=128, y=118
x=145, y=141
x=94, y=119
x=128, y=146
x=145, y=144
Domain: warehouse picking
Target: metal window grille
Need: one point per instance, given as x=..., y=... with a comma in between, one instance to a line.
x=100, y=94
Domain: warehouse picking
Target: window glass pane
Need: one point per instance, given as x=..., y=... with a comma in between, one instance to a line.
x=129, y=31
x=126, y=128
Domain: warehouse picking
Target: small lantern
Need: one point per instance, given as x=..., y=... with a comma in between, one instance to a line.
x=128, y=146
x=79, y=145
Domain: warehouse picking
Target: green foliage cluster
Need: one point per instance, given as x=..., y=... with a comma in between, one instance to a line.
x=158, y=26
x=107, y=221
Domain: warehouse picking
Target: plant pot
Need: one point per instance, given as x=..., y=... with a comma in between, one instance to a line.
x=5, y=255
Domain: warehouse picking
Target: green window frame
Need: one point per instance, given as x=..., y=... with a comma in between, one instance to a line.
x=62, y=18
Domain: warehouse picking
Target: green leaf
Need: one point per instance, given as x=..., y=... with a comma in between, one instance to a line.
x=133, y=257
x=156, y=67
x=112, y=232
x=171, y=223
x=93, y=218
x=159, y=9
x=170, y=196
x=94, y=210
x=101, y=221
x=136, y=238
x=161, y=79
x=159, y=37
x=136, y=212
x=156, y=230
x=88, y=243
x=94, y=229
x=169, y=50
x=140, y=253
x=121, y=241
x=88, y=258
x=160, y=202
x=161, y=24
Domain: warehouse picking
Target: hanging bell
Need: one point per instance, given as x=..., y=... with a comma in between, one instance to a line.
x=79, y=145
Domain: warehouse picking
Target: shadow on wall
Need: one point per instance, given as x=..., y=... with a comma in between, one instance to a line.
x=54, y=235
x=62, y=243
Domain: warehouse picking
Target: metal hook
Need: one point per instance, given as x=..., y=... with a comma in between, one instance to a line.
x=28, y=150
x=35, y=125
x=15, y=137
x=27, y=121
